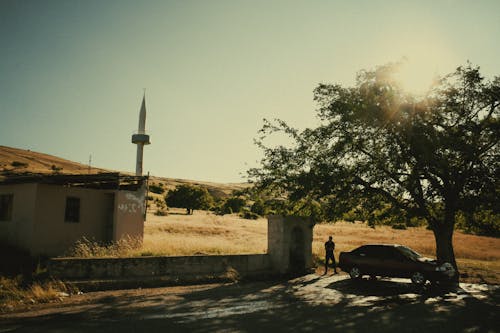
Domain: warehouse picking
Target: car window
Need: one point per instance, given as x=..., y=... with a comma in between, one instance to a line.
x=407, y=252
x=394, y=253
x=360, y=250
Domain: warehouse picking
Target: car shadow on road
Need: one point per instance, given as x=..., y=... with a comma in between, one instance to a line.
x=388, y=288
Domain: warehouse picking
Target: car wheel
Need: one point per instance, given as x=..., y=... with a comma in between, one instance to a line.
x=418, y=278
x=355, y=273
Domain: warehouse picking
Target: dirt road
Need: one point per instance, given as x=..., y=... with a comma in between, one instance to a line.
x=307, y=304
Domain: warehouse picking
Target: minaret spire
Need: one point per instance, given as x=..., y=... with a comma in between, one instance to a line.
x=141, y=138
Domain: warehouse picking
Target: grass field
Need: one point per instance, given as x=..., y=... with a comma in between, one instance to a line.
x=204, y=233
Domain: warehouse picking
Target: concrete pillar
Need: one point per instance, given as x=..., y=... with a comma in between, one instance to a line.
x=289, y=243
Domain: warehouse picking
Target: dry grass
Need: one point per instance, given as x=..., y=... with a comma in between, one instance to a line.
x=204, y=233
x=13, y=293
x=85, y=248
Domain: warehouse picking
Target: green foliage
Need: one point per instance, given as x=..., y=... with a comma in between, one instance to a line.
x=247, y=214
x=230, y=205
x=156, y=189
x=189, y=197
x=484, y=222
x=259, y=208
x=235, y=204
x=382, y=155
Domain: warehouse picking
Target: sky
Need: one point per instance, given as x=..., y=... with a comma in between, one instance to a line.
x=73, y=73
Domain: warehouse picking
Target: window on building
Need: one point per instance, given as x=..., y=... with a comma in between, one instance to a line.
x=72, y=213
x=6, y=203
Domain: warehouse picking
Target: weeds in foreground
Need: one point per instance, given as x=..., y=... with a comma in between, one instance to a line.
x=86, y=248
x=13, y=292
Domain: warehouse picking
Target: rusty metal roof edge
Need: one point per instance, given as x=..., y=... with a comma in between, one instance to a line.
x=111, y=179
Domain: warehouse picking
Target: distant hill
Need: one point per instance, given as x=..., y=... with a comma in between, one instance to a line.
x=15, y=161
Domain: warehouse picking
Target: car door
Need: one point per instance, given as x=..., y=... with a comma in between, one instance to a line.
x=397, y=264
x=374, y=261
x=363, y=259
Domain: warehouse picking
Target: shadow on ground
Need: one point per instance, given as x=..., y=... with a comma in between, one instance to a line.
x=306, y=304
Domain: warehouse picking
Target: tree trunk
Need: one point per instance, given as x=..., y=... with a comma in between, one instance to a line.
x=443, y=233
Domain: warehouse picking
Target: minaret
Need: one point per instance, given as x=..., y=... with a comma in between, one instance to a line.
x=141, y=138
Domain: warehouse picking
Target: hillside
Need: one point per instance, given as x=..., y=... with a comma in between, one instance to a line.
x=14, y=161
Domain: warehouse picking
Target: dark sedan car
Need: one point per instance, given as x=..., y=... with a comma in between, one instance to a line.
x=394, y=261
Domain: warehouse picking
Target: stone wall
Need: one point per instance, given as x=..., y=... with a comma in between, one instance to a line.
x=182, y=268
x=289, y=243
x=289, y=252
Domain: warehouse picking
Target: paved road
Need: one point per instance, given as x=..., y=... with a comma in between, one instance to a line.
x=307, y=304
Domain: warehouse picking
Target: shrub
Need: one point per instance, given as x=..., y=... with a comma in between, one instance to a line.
x=55, y=169
x=259, y=208
x=156, y=189
x=246, y=214
x=17, y=164
x=236, y=204
x=160, y=212
x=223, y=210
x=399, y=226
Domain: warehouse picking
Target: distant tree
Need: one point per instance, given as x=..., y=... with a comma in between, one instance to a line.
x=189, y=197
x=383, y=152
x=236, y=204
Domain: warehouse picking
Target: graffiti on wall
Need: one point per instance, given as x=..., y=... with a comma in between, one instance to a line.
x=133, y=203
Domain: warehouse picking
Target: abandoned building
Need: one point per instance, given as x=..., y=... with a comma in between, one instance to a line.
x=46, y=214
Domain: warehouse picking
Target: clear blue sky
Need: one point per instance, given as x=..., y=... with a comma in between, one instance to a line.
x=72, y=72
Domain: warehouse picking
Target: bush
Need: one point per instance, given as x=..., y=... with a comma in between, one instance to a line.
x=55, y=169
x=259, y=208
x=233, y=205
x=246, y=214
x=160, y=212
x=399, y=226
x=156, y=189
x=17, y=164
x=223, y=210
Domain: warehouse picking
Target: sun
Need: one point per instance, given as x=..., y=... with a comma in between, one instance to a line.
x=416, y=75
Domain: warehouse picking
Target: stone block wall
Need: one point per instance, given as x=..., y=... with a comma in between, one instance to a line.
x=289, y=243
x=176, y=267
x=289, y=251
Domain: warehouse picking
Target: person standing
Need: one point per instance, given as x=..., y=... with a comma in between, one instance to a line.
x=329, y=247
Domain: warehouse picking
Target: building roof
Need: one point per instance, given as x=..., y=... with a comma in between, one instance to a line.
x=101, y=181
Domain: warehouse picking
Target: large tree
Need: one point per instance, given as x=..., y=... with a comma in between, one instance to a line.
x=379, y=149
x=189, y=197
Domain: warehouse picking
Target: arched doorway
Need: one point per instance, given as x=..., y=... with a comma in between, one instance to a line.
x=297, y=248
